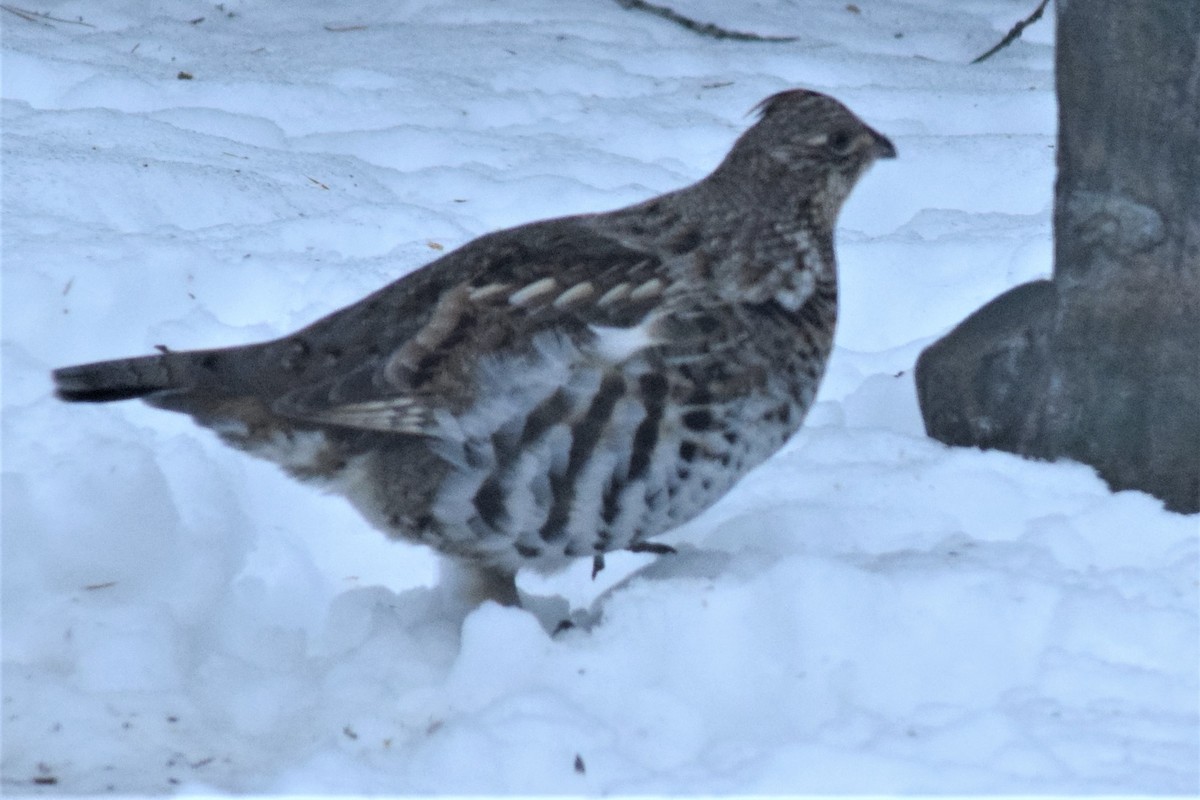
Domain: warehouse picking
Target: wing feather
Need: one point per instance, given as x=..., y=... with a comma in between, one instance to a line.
x=576, y=285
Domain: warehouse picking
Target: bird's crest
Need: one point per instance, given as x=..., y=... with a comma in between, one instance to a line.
x=773, y=103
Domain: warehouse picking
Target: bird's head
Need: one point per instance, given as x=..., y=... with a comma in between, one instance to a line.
x=806, y=147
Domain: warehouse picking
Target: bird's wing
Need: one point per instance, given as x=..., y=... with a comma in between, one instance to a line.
x=525, y=306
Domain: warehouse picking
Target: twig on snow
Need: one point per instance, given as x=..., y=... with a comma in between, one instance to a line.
x=42, y=18
x=702, y=28
x=1015, y=33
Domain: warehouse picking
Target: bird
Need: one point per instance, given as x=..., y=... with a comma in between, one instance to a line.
x=564, y=388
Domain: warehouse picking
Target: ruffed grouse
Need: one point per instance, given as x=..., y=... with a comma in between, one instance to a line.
x=560, y=389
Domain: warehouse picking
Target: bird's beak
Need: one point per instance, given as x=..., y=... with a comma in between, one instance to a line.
x=883, y=147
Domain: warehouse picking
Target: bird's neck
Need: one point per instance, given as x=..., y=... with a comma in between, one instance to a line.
x=749, y=244
x=781, y=241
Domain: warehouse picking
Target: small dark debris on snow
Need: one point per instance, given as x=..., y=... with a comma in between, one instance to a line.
x=652, y=547
x=184, y=76
x=580, y=767
x=44, y=776
x=350, y=734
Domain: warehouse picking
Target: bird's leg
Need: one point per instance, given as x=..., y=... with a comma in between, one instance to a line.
x=473, y=584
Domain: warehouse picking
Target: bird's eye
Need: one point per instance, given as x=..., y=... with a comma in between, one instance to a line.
x=840, y=141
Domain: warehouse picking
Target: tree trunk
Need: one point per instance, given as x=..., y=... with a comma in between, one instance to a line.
x=1101, y=364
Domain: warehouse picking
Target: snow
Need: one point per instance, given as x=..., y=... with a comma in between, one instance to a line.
x=870, y=611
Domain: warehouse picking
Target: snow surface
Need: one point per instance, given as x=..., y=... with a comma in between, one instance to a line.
x=868, y=612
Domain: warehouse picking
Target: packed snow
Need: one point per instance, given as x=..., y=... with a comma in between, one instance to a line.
x=870, y=611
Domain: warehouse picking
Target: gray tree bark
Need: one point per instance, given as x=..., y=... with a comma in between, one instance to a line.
x=1102, y=363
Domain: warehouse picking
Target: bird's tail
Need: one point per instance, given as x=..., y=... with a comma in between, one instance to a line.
x=124, y=379
x=211, y=386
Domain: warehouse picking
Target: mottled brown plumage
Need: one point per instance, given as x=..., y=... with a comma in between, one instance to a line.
x=564, y=388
